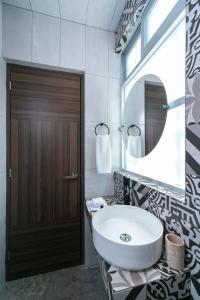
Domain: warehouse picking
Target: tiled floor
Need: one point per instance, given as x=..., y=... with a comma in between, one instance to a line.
x=75, y=283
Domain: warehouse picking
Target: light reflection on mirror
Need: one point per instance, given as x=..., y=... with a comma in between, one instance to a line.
x=144, y=116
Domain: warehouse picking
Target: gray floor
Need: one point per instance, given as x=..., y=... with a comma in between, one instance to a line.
x=75, y=283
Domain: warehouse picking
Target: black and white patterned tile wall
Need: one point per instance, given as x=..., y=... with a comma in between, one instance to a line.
x=188, y=215
x=131, y=14
x=192, y=88
x=158, y=282
x=180, y=217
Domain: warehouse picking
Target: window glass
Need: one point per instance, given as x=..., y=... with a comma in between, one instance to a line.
x=156, y=16
x=134, y=56
x=167, y=63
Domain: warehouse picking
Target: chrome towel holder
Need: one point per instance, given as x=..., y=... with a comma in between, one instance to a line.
x=131, y=126
x=101, y=124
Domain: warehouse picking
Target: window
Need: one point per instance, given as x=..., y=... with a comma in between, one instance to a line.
x=164, y=56
x=133, y=56
x=156, y=16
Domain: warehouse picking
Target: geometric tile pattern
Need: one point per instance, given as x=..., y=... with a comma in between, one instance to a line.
x=195, y=289
x=173, y=288
x=130, y=16
x=188, y=218
x=183, y=218
x=157, y=282
x=192, y=88
x=188, y=223
x=138, y=293
x=179, y=217
x=118, y=187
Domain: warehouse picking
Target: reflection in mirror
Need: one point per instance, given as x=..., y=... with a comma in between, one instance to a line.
x=144, y=115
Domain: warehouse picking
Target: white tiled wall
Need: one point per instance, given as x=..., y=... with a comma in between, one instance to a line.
x=0, y=28
x=72, y=45
x=2, y=156
x=37, y=38
x=48, y=7
x=96, y=51
x=45, y=40
x=69, y=11
x=18, y=25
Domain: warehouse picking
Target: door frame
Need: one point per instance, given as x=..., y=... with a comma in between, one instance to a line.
x=8, y=153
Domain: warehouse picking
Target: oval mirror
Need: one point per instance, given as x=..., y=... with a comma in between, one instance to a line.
x=144, y=115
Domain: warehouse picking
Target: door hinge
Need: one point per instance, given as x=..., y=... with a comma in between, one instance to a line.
x=10, y=85
x=10, y=173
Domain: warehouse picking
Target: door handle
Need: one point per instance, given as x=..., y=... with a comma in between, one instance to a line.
x=71, y=177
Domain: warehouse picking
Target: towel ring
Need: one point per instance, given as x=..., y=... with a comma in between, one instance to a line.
x=101, y=124
x=131, y=126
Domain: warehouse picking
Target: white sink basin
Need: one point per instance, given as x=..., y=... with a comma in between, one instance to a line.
x=127, y=237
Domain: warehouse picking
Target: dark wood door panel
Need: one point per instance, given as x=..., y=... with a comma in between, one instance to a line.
x=43, y=236
x=44, y=210
x=41, y=189
x=155, y=115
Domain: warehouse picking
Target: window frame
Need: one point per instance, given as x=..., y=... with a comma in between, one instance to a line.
x=140, y=29
x=128, y=49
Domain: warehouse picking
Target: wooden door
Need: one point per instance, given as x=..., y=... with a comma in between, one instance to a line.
x=155, y=115
x=44, y=207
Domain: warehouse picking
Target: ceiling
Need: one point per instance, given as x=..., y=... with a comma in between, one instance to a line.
x=104, y=14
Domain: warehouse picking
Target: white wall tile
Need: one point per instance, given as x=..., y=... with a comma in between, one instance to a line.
x=72, y=45
x=90, y=145
x=2, y=225
x=114, y=101
x=46, y=39
x=100, y=13
x=49, y=7
x=96, y=95
x=19, y=3
x=2, y=157
x=2, y=255
x=74, y=10
x=2, y=144
x=1, y=7
x=2, y=87
x=117, y=15
x=17, y=29
x=2, y=198
x=90, y=253
x=115, y=144
x=114, y=58
x=97, y=185
x=96, y=51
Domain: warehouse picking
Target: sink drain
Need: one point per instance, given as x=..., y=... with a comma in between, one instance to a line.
x=125, y=237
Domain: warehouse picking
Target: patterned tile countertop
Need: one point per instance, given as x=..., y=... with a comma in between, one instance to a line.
x=157, y=282
x=154, y=186
x=118, y=281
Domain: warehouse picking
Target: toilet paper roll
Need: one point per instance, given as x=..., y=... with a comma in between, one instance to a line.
x=175, y=251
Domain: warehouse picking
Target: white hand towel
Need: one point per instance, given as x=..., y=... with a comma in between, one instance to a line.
x=98, y=202
x=95, y=204
x=134, y=146
x=103, y=154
